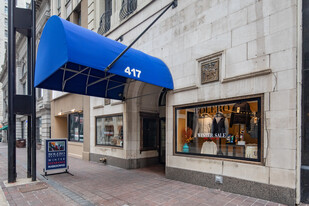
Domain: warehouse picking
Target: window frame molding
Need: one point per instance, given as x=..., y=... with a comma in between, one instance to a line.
x=109, y=145
x=69, y=133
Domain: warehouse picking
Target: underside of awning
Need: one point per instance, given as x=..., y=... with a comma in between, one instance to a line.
x=73, y=59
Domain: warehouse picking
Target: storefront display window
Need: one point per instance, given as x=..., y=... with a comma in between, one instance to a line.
x=229, y=129
x=76, y=131
x=109, y=131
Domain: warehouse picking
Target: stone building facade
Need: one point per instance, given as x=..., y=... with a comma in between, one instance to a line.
x=234, y=118
x=220, y=54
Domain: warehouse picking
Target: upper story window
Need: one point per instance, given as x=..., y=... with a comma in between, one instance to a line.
x=59, y=6
x=127, y=8
x=6, y=10
x=105, y=20
x=6, y=22
x=6, y=33
x=79, y=19
x=23, y=69
x=24, y=88
x=39, y=93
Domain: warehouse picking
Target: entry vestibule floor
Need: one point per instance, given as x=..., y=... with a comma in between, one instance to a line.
x=97, y=184
x=158, y=169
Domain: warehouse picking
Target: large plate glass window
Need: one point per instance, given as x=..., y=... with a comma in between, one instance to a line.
x=109, y=131
x=229, y=129
x=76, y=129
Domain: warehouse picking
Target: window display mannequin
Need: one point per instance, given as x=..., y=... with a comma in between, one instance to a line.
x=204, y=125
x=220, y=125
x=209, y=147
x=254, y=126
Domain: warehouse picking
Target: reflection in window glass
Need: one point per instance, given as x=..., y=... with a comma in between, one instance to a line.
x=229, y=129
x=76, y=130
x=109, y=131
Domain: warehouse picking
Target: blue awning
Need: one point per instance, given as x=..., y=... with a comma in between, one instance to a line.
x=71, y=58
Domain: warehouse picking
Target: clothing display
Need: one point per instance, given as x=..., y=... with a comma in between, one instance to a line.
x=241, y=114
x=204, y=125
x=224, y=129
x=209, y=147
x=254, y=127
x=220, y=125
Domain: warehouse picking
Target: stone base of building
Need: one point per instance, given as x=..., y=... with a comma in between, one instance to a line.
x=125, y=163
x=244, y=187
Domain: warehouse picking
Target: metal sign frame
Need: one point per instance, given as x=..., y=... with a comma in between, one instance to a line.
x=47, y=152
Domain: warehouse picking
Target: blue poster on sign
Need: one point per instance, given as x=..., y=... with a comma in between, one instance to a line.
x=56, y=154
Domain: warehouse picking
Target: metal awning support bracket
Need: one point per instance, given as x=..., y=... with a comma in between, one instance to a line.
x=173, y=4
x=71, y=77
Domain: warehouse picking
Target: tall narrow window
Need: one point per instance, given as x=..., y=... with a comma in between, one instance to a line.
x=39, y=93
x=24, y=88
x=38, y=130
x=23, y=129
x=105, y=20
x=127, y=7
x=76, y=131
x=59, y=6
x=149, y=131
x=79, y=18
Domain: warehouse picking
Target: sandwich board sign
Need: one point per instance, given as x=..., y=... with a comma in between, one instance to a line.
x=56, y=155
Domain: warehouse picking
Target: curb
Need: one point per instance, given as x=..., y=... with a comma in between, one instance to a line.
x=3, y=200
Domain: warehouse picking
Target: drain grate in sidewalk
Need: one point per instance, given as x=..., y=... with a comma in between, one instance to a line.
x=33, y=187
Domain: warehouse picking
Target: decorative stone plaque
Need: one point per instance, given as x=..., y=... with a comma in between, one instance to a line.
x=210, y=71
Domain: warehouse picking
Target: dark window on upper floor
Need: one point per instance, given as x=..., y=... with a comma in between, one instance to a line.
x=127, y=8
x=105, y=20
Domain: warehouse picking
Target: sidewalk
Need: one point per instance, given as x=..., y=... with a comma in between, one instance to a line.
x=97, y=184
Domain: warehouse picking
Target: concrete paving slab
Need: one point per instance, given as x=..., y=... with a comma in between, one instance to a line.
x=2, y=198
x=18, y=182
x=99, y=184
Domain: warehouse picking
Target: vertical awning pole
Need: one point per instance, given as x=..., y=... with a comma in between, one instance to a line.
x=29, y=117
x=33, y=105
x=11, y=92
